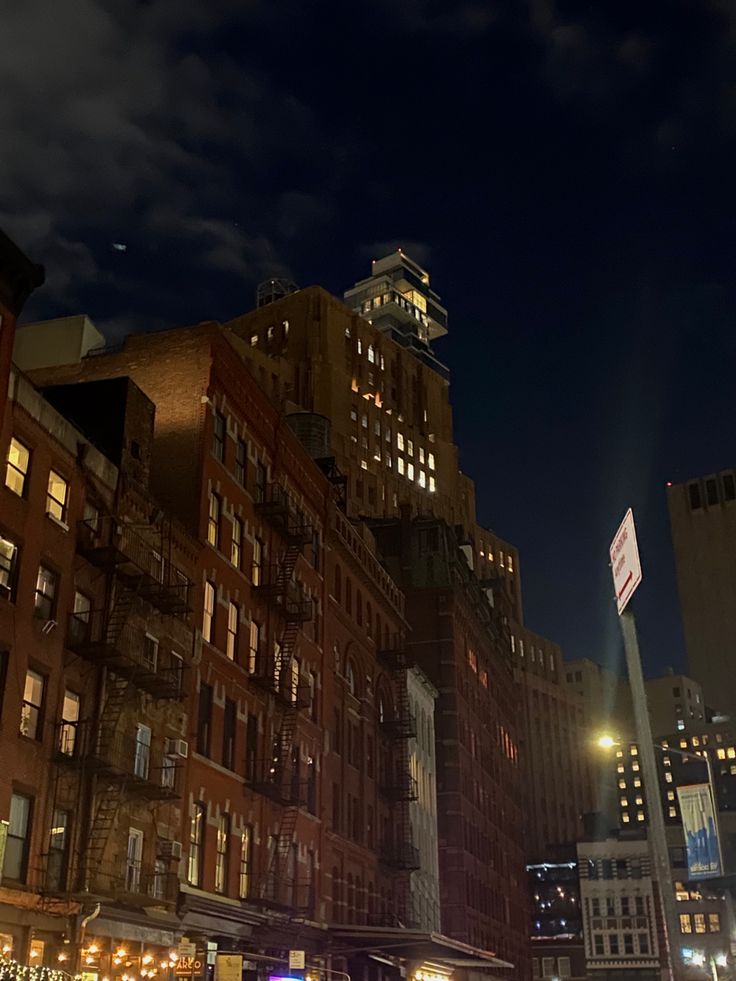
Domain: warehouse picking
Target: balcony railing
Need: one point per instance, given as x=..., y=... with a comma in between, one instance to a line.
x=397, y=787
x=402, y=726
x=134, y=555
x=131, y=883
x=128, y=652
x=277, y=506
x=393, y=652
x=143, y=770
x=279, y=783
x=283, y=894
x=401, y=855
x=286, y=598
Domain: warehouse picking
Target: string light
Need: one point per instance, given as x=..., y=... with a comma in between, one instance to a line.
x=14, y=971
x=93, y=949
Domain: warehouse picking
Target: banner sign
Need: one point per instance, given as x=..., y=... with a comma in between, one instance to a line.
x=699, y=824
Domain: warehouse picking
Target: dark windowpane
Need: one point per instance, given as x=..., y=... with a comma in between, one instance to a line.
x=204, y=720
x=729, y=487
x=694, y=492
x=711, y=491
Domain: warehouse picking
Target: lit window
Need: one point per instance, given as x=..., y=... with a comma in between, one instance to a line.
x=257, y=566
x=387, y=460
x=619, y=753
x=714, y=922
x=699, y=922
x=371, y=354
x=236, y=542
x=622, y=785
x=668, y=777
x=354, y=415
x=635, y=767
x=18, y=838
x=222, y=844
x=254, y=646
x=410, y=447
x=245, y=862
x=30, y=712
x=421, y=454
x=686, y=925
x=721, y=754
x=360, y=346
x=19, y=459
x=432, y=485
x=254, y=340
x=196, y=839
x=731, y=753
x=8, y=567
x=400, y=441
x=400, y=464
x=285, y=325
x=637, y=781
x=670, y=795
x=233, y=627
x=634, y=750
x=213, y=521
x=666, y=761
x=510, y=563
x=45, y=599
x=640, y=815
x=363, y=464
x=624, y=802
x=422, y=479
x=269, y=332
x=625, y=817
x=672, y=811
x=620, y=768
x=696, y=740
x=639, y=799
x=430, y=461
x=410, y=471
x=208, y=614
x=57, y=496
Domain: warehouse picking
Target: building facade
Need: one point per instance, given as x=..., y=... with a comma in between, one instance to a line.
x=557, y=944
x=703, y=526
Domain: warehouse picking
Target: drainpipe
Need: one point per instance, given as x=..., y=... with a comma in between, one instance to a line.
x=81, y=928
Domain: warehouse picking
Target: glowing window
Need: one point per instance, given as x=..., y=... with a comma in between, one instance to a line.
x=400, y=464
x=400, y=441
x=432, y=485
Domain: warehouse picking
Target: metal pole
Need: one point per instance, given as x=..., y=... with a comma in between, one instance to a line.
x=658, y=850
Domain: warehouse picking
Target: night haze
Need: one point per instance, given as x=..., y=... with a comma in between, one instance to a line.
x=563, y=171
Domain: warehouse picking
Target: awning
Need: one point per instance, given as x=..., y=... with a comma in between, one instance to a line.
x=415, y=945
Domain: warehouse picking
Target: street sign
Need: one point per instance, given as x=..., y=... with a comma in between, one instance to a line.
x=296, y=960
x=625, y=563
x=186, y=949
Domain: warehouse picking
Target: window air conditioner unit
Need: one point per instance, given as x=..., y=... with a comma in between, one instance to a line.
x=177, y=747
x=170, y=849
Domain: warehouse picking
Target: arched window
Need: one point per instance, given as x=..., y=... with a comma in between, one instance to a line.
x=348, y=595
x=350, y=676
x=338, y=584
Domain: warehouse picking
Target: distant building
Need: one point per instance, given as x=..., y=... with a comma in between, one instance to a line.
x=703, y=525
x=620, y=917
x=556, y=920
x=676, y=704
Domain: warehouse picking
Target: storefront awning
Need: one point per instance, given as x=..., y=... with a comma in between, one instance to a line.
x=414, y=945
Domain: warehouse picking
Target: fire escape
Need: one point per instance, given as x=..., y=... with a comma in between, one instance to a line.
x=277, y=776
x=98, y=766
x=398, y=852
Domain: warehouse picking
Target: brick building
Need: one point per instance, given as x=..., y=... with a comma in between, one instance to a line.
x=298, y=789
x=93, y=586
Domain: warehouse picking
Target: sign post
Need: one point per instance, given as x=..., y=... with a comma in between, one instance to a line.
x=626, y=572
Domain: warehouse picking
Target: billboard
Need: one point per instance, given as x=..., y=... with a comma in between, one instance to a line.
x=699, y=824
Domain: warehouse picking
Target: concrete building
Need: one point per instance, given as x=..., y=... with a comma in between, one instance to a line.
x=621, y=920
x=675, y=703
x=703, y=525
x=557, y=944
x=555, y=748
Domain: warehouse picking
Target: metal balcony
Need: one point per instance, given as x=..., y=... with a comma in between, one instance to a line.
x=402, y=856
x=397, y=787
x=134, y=884
x=138, y=560
x=143, y=771
x=285, y=598
x=402, y=726
x=125, y=651
x=278, y=508
x=393, y=653
x=278, y=783
x=283, y=895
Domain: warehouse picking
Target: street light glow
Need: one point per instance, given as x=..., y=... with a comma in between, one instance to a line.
x=606, y=742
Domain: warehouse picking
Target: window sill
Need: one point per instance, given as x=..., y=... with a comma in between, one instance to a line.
x=57, y=521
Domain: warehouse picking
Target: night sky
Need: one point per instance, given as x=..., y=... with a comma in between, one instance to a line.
x=565, y=171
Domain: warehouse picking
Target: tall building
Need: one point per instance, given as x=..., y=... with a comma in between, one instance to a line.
x=556, y=919
x=301, y=797
x=703, y=524
x=675, y=703
x=555, y=748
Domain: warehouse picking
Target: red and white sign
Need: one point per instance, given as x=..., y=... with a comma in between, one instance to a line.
x=625, y=563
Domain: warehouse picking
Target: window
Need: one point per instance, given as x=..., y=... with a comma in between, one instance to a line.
x=628, y=943
x=142, y=760
x=57, y=496
x=45, y=601
x=410, y=471
x=241, y=462
x=229, y=722
x=82, y=607
x=218, y=436
x=213, y=521
x=30, y=713
x=714, y=922
x=643, y=943
x=729, y=487
x=535, y=967
x=223, y=841
x=257, y=567
x=19, y=836
x=19, y=460
x=694, y=493
x=236, y=542
x=400, y=442
x=598, y=946
x=711, y=491
x=686, y=925
x=548, y=967
x=254, y=646
x=699, y=922
x=58, y=856
x=204, y=719
x=295, y=673
x=8, y=567
x=613, y=945
x=432, y=485
x=313, y=708
x=208, y=616
x=69, y=723
x=196, y=844
x=260, y=483
x=251, y=745
x=133, y=860
x=233, y=629
x=246, y=839
x=150, y=652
